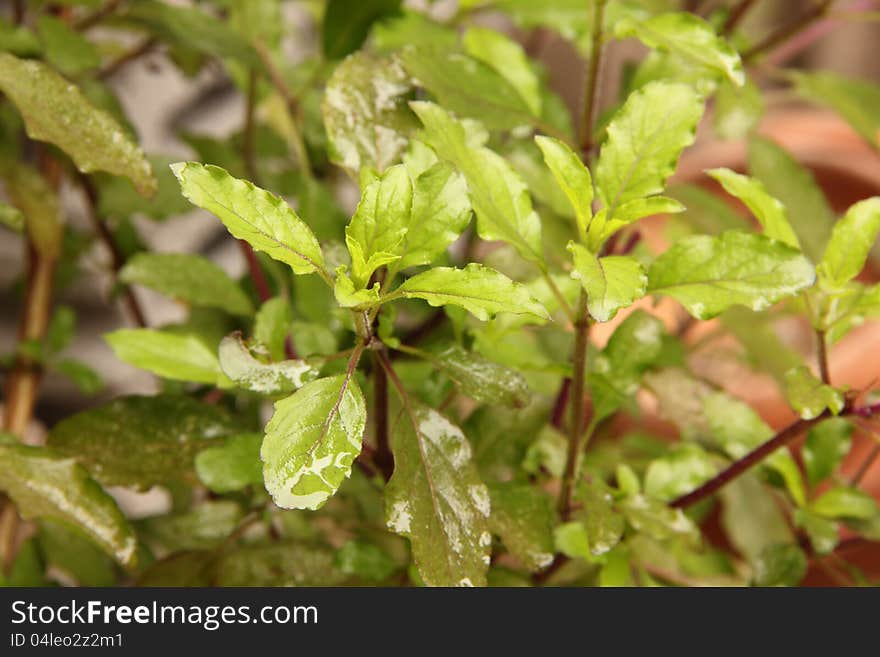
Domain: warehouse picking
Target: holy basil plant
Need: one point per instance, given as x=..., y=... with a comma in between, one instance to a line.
x=516, y=360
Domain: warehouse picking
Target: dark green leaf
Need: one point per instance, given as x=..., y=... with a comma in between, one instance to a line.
x=347, y=25
x=233, y=465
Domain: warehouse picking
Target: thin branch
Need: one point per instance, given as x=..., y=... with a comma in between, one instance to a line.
x=780, y=36
x=736, y=15
x=98, y=15
x=822, y=357
x=264, y=292
x=588, y=116
x=249, y=129
x=116, y=257
x=383, y=458
x=865, y=466
x=113, y=67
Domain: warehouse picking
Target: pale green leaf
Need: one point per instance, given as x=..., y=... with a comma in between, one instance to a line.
x=176, y=356
x=603, y=524
x=272, y=326
x=826, y=446
x=751, y=518
x=794, y=185
x=509, y=59
x=499, y=196
x=233, y=465
x=824, y=533
x=379, y=223
x=781, y=564
x=480, y=290
x=808, y=396
x=11, y=217
x=252, y=214
x=55, y=111
x=247, y=372
x=842, y=502
x=645, y=139
x=653, y=518
x=188, y=277
x=572, y=177
x=689, y=37
x=679, y=472
x=611, y=282
x=44, y=484
x=769, y=212
x=481, y=379
x=436, y=499
x=348, y=295
x=312, y=441
x=738, y=109
x=708, y=275
x=65, y=48
x=522, y=516
x=38, y=203
x=851, y=240
x=140, y=441
x=203, y=527
x=855, y=100
x=365, y=112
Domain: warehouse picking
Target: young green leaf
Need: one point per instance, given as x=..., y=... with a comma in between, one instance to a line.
x=738, y=109
x=854, y=100
x=247, y=372
x=176, y=356
x=468, y=87
x=365, y=112
x=851, y=241
x=312, y=440
x=347, y=25
x=611, y=282
x=436, y=499
x=481, y=379
x=682, y=470
x=508, y=59
x=348, y=295
x=708, y=275
x=140, y=441
x=844, y=502
x=645, y=139
x=523, y=517
x=499, y=196
x=252, y=214
x=572, y=177
x=44, y=484
x=56, y=111
x=480, y=290
x=688, y=36
x=232, y=466
x=793, y=184
x=809, y=396
x=440, y=212
x=826, y=446
x=188, y=277
x=751, y=519
x=769, y=212
x=781, y=564
x=604, y=525
x=379, y=223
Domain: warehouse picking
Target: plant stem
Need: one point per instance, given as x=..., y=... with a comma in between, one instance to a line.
x=126, y=58
x=247, y=135
x=786, y=32
x=557, y=417
x=98, y=15
x=116, y=258
x=595, y=66
x=736, y=15
x=865, y=466
x=383, y=458
x=822, y=357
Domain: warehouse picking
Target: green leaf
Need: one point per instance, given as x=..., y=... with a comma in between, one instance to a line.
x=522, y=516
x=45, y=484
x=264, y=220
x=706, y=212
x=826, y=446
x=645, y=139
x=118, y=199
x=570, y=539
x=851, y=241
x=688, y=36
x=18, y=40
x=653, y=518
x=379, y=223
x=77, y=557
x=855, y=100
x=247, y=372
x=509, y=59
x=65, y=48
x=440, y=213
x=312, y=440
x=81, y=375
x=11, y=217
x=182, y=357
x=365, y=560
x=278, y=564
x=272, y=326
x=611, y=282
x=603, y=524
x=140, y=441
x=347, y=25
x=61, y=328
x=200, y=528
x=365, y=112
x=500, y=437
x=481, y=379
x=679, y=472
x=499, y=196
x=572, y=177
x=845, y=502
x=188, y=277
x=794, y=185
x=232, y=466
x=769, y=212
x=738, y=110
x=808, y=396
x=55, y=111
x=751, y=518
x=824, y=534
x=708, y=275
x=780, y=565
x=480, y=290
x=436, y=499
x=349, y=296
x=35, y=199
x=468, y=87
